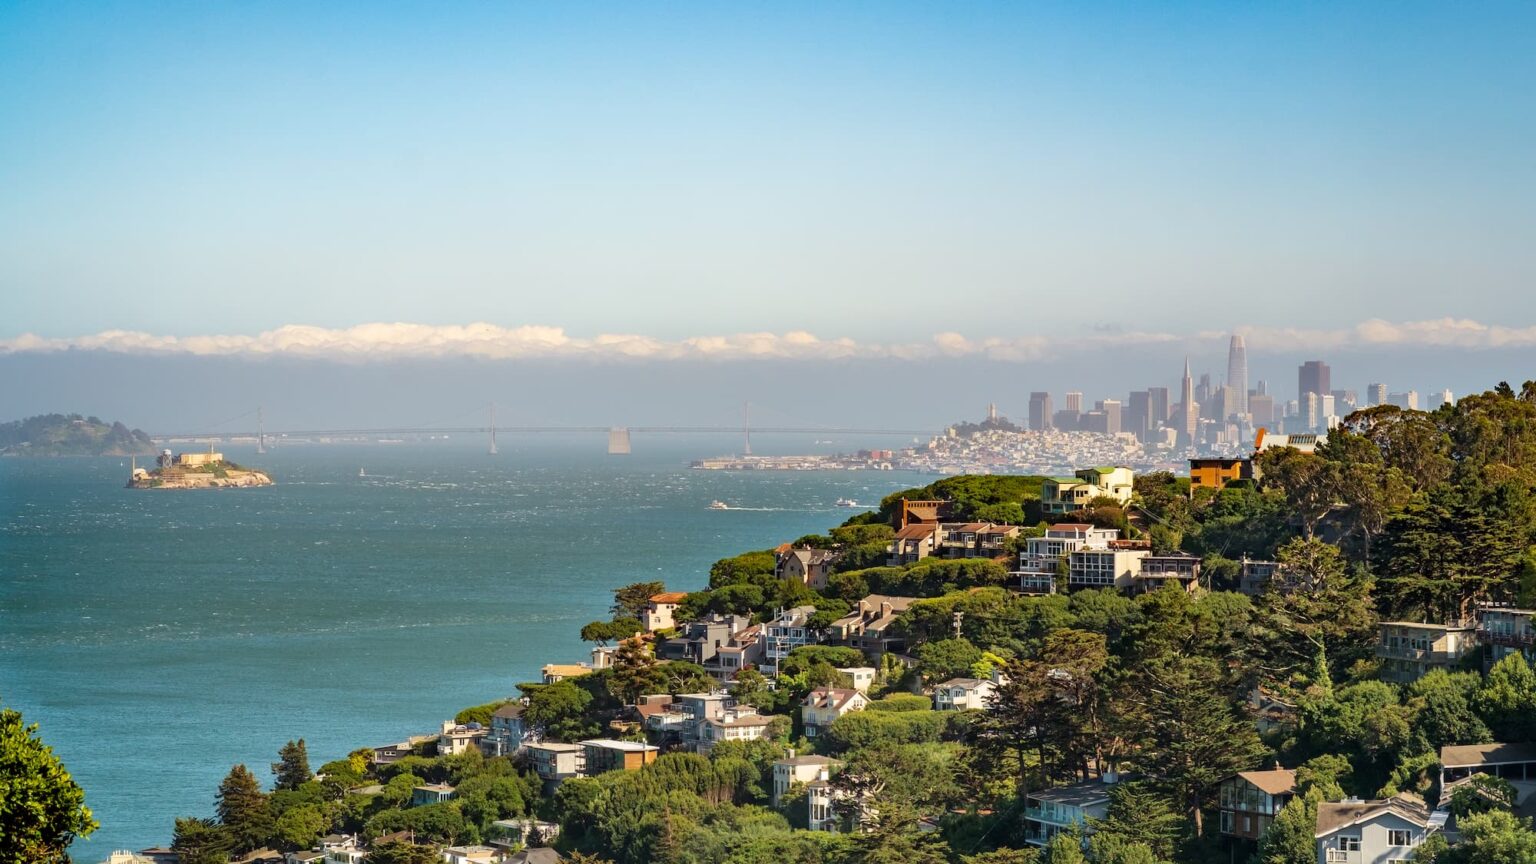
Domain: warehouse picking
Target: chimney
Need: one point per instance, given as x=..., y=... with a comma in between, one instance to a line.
x=885, y=608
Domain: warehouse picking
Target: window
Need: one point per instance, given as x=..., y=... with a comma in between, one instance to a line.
x=1349, y=843
x=1226, y=821
x=1399, y=837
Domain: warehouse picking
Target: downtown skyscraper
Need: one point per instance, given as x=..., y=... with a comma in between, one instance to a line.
x=1190, y=421
x=1237, y=374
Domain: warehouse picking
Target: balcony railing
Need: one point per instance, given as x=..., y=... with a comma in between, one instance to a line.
x=1339, y=856
x=1513, y=640
x=1400, y=652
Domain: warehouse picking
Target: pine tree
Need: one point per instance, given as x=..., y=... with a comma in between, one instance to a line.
x=244, y=810
x=292, y=767
x=635, y=672
x=201, y=841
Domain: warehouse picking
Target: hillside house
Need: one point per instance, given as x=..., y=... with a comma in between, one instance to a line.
x=1408, y=650
x=912, y=544
x=809, y=567
x=1250, y=800
x=822, y=706
x=871, y=626
x=657, y=614
x=1373, y=832
x=1061, y=495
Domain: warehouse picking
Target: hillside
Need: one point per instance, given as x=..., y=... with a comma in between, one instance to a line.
x=71, y=435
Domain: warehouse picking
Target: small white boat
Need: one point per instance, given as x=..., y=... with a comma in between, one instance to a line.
x=719, y=505
x=848, y=502
x=362, y=473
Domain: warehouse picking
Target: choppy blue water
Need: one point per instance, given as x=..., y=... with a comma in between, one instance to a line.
x=160, y=637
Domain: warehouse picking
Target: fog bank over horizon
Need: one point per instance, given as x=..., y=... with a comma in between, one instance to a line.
x=181, y=393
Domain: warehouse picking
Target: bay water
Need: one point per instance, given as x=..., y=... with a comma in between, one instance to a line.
x=158, y=637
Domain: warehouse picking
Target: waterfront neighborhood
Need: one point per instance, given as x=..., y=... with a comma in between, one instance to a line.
x=1105, y=666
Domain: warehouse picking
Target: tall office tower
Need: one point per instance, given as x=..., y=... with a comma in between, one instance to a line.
x=1075, y=401
x=1262, y=388
x=1040, y=410
x=1229, y=403
x=1408, y=401
x=1375, y=394
x=1441, y=397
x=1157, y=406
x=1261, y=406
x=1135, y=418
x=1237, y=375
x=1112, y=415
x=1203, y=390
x=1312, y=411
x=1312, y=377
x=1191, y=411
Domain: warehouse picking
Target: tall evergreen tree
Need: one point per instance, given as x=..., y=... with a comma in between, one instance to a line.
x=244, y=809
x=292, y=767
x=201, y=841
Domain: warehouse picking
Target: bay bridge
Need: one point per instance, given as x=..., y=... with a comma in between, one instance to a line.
x=619, y=440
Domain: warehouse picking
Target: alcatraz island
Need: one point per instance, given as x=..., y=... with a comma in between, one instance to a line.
x=208, y=470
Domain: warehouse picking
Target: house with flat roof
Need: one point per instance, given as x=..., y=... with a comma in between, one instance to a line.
x=1250, y=800
x=556, y=761
x=605, y=754
x=1043, y=557
x=1155, y=571
x=1104, y=568
x=1374, y=832
x=456, y=738
x=1214, y=472
x=431, y=793
x=553, y=672
x=1408, y=650
x=1514, y=762
x=1507, y=630
x=1254, y=575
x=509, y=732
x=1049, y=812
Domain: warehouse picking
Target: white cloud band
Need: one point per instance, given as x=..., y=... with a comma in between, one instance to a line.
x=384, y=341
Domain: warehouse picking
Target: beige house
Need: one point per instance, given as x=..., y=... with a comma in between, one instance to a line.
x=871, y=626
x=800, y=769
x=657, y=614
x=1059, y=495
x=809, y=567
x=1408, y=650
x=824, y=705
x=912, y=544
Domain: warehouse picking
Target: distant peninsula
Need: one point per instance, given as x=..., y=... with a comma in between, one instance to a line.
x=71, y=435
x=208, y=470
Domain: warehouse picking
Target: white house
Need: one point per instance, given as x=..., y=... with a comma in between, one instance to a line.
x=471, y=855
x=963, y=694
x=1042, y=555
x=657, y=614
x=1060, y=495
x=1373, y=832
x=863, y=676
x=456, y=738
x=1064, y=808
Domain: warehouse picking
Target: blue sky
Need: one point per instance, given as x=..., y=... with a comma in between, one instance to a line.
x=881, y=172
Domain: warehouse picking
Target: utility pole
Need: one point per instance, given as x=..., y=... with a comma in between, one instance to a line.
x=959, y=618
x=493, y=429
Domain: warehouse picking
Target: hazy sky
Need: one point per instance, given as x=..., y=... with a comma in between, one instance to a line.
x=878, y=172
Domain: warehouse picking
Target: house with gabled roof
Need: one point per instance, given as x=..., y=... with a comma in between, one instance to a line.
x=871, y=626
x=822, y=706
x=810, y=567
x=912, y=544
x=1250, y=800
x=1374, y=832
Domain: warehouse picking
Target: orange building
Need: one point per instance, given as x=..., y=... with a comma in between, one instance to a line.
x=1214, y=473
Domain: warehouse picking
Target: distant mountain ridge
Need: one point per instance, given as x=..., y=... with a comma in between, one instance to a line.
x=71, y=435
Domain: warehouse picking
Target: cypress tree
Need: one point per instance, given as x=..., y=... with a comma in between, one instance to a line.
x=244, y=810
x=292, y=767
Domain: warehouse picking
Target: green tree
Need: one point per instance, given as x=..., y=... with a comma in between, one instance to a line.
x=1290, y=838
x=244, y=810
x=947, y=658
x=1481, y=793
x=201, y=841
x=1321, y=612
x=632, y=599
x=604, y=632
x=635, y=672
x=1064, y=848
x=298, y=827
x=1507, y=699
x=292, y=766
x=400, y=852
x=42, y=809
x=558, y=710
x=1140, y=815
x=1191, y=735
x=1494, y=837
